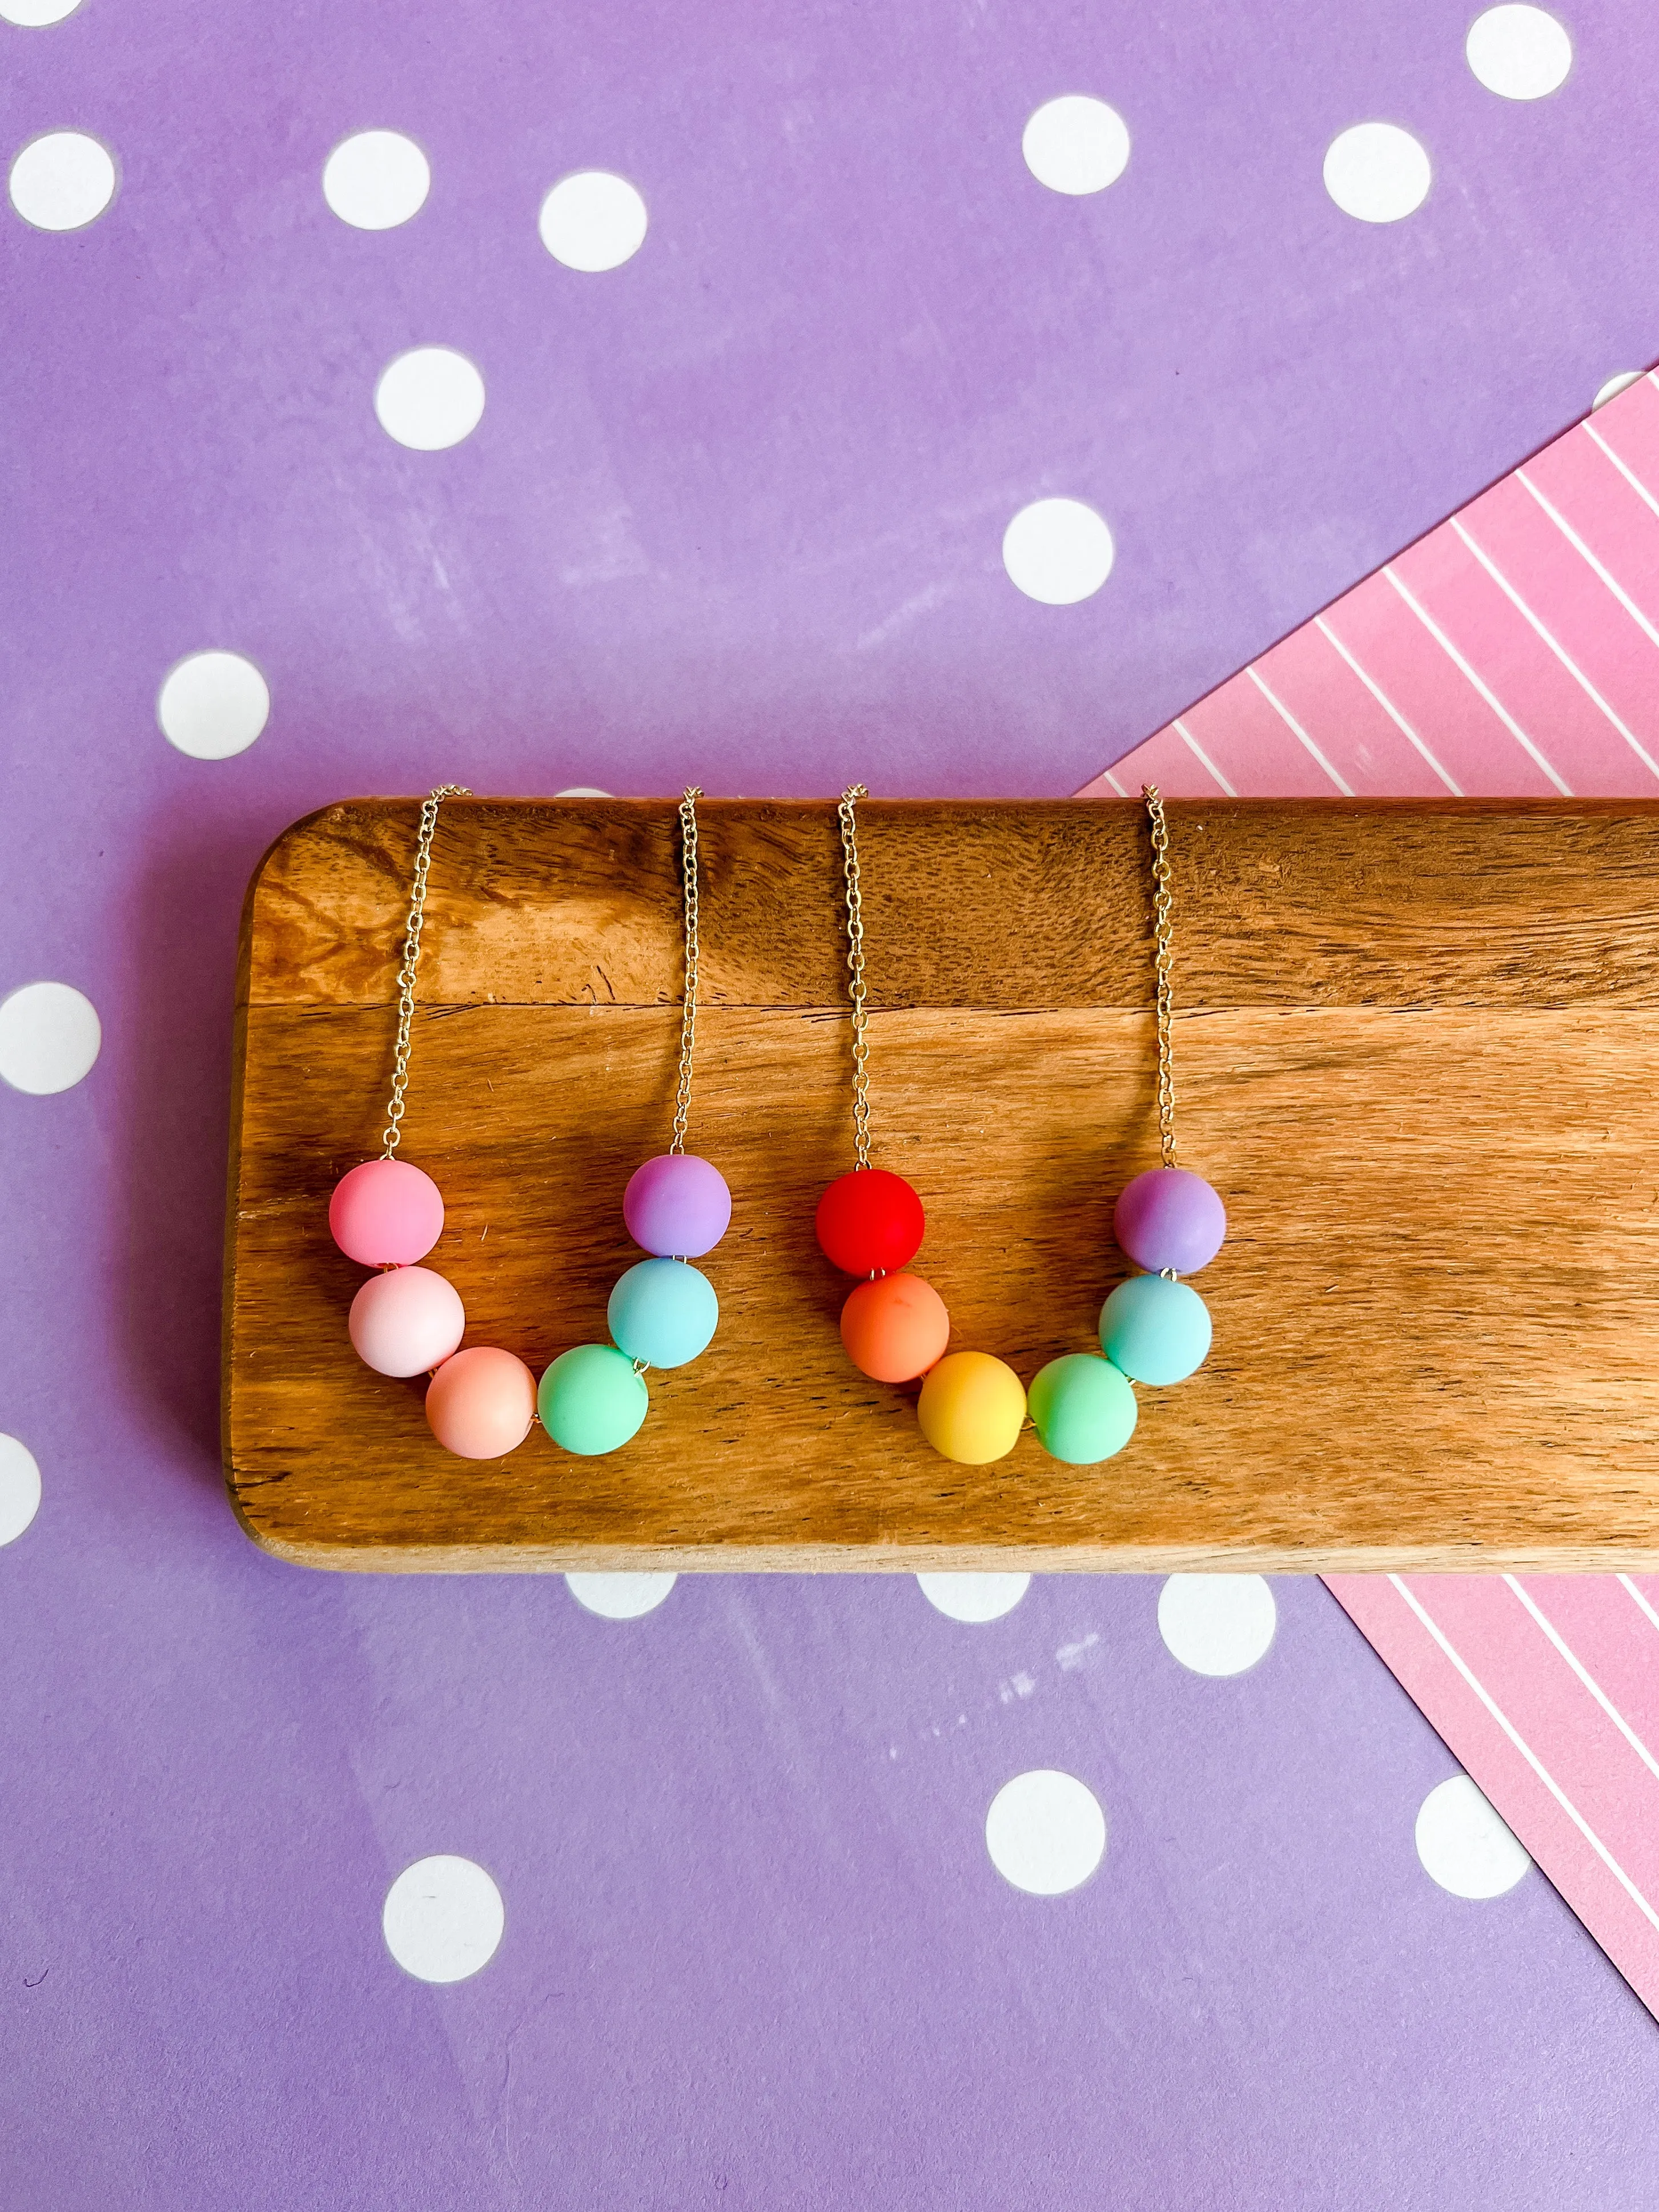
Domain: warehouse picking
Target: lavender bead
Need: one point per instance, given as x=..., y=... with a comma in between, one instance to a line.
x=676, y=1206
x=1168, y=1218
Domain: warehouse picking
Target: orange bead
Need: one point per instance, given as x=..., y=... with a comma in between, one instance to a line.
x=895, y=1328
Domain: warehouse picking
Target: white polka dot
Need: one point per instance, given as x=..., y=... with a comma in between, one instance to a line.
x=620, y=1597
x=376, y=179
x=1376, y=172
x=1614, y=385
x=442, y=1920
x=213, y=705
x=49, y=1038
x=1217, y=1624
x=1045, y=1832
x=1463, y=1845
x=1519, y=52
x=20, y=1488
x=581, y=791
x=61, y=181
x=1075, y=144
x=974, y=1597
x=592, y=221
x=34, y=14
x=429, y=398
x=1057, y=550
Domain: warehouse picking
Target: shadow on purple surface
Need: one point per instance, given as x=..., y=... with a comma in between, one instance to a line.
x=181, y=991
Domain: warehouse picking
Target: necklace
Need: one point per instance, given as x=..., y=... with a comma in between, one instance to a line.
x=408, y=1320
x=1154, y=1329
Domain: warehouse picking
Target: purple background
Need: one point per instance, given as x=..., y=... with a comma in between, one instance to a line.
x=734, y=511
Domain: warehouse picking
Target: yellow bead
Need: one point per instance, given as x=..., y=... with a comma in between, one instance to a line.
x=972, y=1407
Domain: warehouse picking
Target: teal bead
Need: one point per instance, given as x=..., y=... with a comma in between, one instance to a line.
x=664, y=1312
x=590, y=1400
x=1083, y=1409
x=1155, y=1330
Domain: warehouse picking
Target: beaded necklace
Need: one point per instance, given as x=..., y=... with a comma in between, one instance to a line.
x=1154, y=1329
x=408, y=1320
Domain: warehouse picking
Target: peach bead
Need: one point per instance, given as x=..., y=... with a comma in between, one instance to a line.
x=385, y=1213
x=407, y=1321
x=895, y=1328
x=481, y=1403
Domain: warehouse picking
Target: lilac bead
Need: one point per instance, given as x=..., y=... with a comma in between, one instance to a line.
x=1170, y=1218
x=676, y=1206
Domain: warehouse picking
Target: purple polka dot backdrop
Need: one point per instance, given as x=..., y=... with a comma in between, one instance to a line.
x=546, y=399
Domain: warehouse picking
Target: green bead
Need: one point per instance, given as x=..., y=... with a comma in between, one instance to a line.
x=1083, y=1409
x=1156, y=1330
x=590, y=1400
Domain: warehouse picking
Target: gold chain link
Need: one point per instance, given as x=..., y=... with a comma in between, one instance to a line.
x=849, y=847
x=1163, y=930
x=688, y=1009
x=411, y=960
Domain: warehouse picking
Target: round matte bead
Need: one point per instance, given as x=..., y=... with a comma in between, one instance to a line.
x=1155, y=1330
x=972, y=1407
x=1168, y=1218
x=407, y=1321
x=870, y=1222
x=895, y=1328
x=591, y=1401
x=676, y=1205
x=385, y=1213
x=481, y=1403
x=663, y=1312
x=1083, y=1409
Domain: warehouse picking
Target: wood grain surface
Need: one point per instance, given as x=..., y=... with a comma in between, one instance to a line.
x=1416, y=1051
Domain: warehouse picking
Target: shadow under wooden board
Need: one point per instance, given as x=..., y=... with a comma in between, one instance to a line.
x=1417, y=1047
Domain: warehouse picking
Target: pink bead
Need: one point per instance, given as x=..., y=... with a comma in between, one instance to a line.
x=385, y=1213
x=676, y=1206
x=407, y=1321
x=481, y=1403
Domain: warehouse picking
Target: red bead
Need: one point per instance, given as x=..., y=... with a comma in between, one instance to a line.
x=870, y=1222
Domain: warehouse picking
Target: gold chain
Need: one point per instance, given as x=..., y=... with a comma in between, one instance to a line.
x=688, y=1009
x=849, y=847
x=1164, y=929
x=411, y=960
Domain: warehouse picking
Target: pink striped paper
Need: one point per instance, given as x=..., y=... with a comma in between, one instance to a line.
x=1512, y=651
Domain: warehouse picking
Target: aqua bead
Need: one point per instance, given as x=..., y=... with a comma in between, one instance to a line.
x=590, y=1400
x=663, y=1312
x=1155, y=1330
x=1083, y=1409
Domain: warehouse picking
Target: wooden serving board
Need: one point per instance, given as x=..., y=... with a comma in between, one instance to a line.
x=1416, y=1051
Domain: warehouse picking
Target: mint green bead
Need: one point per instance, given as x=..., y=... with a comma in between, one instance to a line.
x=1083, y=1409
x=590, y=1400
x=1155, y=1330
x=664, y=1312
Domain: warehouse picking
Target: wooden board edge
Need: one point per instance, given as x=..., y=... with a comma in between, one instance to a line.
x=976, y=1558
x=256, y=885
x=234, y=1168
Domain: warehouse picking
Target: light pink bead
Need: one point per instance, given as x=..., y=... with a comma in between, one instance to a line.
x=481, y=1403
x=385, y=1213
x=407, y=1321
